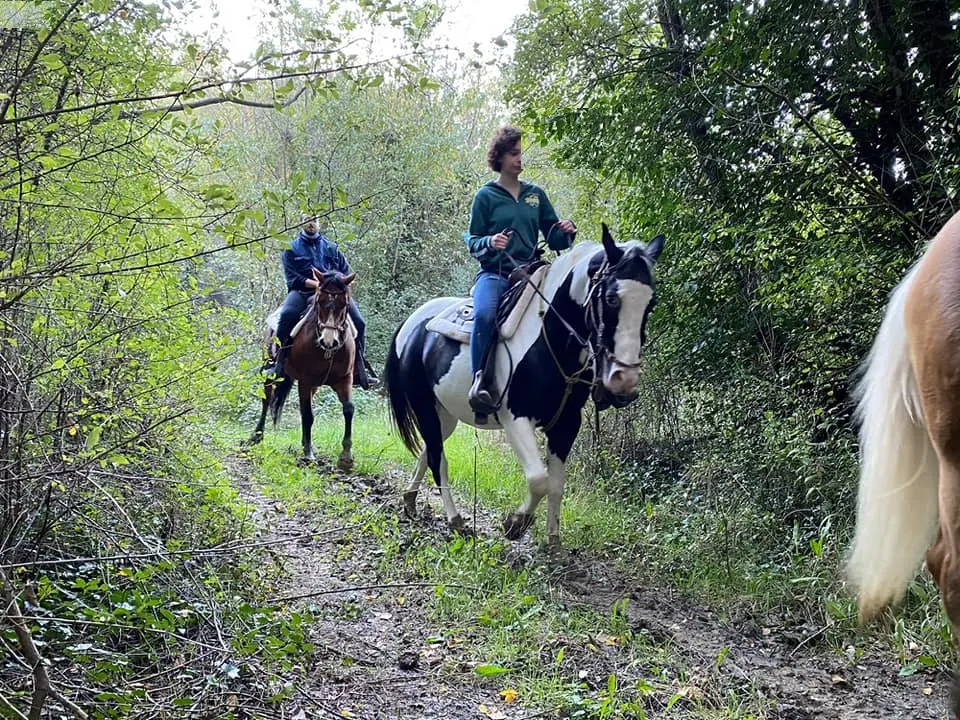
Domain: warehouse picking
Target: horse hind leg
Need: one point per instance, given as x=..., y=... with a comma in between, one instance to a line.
x=413, y=489
x=943, y=558
x=257, y=434
x=436, y=426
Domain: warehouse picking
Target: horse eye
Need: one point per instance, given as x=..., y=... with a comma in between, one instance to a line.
x=613, y=301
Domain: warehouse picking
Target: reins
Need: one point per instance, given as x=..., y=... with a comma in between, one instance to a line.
x=571, y=380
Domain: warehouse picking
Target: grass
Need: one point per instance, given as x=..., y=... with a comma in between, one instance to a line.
x=515, y=619
x=515, y=629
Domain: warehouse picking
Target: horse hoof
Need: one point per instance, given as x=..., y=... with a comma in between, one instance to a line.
x=345, y=463
x=306, y=460
x=254, y=439
x=410, y=504
x=516, y=524
x=458, y=525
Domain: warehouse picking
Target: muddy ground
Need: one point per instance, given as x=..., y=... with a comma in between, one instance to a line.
x=380, y=656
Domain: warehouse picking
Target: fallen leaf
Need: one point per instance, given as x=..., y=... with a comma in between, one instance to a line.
x=509, y=695
x=490, y=670
x=384, y=616
x=928, y=691
x=593, y=648
x=346, y=713
x=838, y=680
x=491, y=713
x=401, y=600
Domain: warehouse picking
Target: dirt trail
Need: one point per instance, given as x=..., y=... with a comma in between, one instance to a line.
x=380, y=656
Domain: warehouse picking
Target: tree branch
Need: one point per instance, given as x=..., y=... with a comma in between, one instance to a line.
x=41, y=681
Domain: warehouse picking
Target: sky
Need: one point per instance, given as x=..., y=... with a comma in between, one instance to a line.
x=466, y=22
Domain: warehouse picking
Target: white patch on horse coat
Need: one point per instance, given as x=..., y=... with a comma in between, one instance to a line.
x=422, y=313
x=329, y=337
x=451, y=390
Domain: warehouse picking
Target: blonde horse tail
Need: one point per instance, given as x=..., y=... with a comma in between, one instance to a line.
x=897, y=509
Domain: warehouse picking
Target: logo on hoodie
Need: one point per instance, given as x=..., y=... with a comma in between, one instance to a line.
x=532, y=200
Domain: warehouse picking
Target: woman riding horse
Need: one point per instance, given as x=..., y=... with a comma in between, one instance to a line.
x=505, y=219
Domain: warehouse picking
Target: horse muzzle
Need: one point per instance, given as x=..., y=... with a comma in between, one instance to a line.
x=620, y=380
x=604, y=399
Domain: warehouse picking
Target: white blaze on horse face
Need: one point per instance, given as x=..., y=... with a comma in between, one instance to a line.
x=329, y=337
x=627, y=342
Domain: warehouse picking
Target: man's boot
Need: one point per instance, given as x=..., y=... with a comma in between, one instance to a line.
x=278, y=369
x=371, y=373
x=363, y=375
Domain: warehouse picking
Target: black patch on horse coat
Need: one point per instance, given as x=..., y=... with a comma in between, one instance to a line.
x=543, y=385
x=439, y=352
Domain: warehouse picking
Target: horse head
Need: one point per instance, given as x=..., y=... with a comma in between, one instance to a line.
x=620, y=299
x=331, y=298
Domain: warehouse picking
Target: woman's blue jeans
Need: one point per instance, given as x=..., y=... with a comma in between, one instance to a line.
x=486, y=296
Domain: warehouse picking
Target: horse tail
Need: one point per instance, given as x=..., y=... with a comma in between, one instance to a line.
x=280, y=393
x=897, y=509
x=401, y=411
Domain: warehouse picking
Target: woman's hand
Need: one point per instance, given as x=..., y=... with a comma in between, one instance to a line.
x=500, y=240
x=567, y=226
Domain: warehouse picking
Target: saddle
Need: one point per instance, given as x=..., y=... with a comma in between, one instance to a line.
x=456, y=321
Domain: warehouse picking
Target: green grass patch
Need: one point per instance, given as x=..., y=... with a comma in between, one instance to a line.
x=741, y=559
x=513, y=629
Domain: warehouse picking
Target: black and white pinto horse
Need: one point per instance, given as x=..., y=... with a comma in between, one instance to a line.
x=584, y=333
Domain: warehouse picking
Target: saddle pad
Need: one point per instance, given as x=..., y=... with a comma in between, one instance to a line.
x=456, y=321
x=273, y=320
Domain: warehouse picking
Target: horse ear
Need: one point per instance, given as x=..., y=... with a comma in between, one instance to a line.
x=349, y=279
x=610, y=248
x=654, y=247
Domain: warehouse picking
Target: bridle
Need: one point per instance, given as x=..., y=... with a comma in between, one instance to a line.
x=340, y=328
x=593, y=317
x=593, y=321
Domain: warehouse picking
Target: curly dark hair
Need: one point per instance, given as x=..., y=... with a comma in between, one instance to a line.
x=502, y=140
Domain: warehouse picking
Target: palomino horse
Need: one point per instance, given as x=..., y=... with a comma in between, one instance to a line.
x=321, y=353
x=909, y=410
x=583, y=331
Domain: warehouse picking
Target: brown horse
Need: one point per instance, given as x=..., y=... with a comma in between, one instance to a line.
x=321, y=353
x=909, y=413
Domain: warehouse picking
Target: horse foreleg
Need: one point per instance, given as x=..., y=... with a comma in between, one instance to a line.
x=557, y=470
x=306, y=421
x=521, y=435
x=559, y=442
x=345, y=393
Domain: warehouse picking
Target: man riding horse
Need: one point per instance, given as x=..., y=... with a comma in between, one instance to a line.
x=309, y=251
